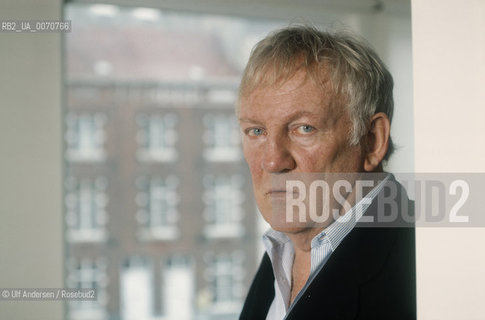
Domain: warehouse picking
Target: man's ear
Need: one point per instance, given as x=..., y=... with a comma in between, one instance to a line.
x=376, y=141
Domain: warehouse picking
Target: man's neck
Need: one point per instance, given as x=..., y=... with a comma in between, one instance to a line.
x=302, y=240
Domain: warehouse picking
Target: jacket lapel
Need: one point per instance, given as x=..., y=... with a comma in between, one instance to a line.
x=261, y=293
x=334, y=293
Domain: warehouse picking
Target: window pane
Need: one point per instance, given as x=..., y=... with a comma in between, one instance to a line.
x=159, y=211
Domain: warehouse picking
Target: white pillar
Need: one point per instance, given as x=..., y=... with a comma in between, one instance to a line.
x=449, y=106
x=31, y=245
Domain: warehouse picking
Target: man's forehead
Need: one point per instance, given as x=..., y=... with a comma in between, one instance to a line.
x=301, y=87
x=276, y=82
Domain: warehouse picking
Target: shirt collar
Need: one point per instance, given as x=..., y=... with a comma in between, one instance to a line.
x=335, y=232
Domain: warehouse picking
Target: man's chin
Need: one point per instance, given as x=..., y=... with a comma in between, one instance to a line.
x=288, y=224
x=293, y=227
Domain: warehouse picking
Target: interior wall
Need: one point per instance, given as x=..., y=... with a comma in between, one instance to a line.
x=31, y=251
x=449, y=77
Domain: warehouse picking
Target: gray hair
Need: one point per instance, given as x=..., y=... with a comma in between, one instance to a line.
x=355, y=71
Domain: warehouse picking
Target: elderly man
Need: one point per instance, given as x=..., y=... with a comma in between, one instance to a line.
x=316, y=102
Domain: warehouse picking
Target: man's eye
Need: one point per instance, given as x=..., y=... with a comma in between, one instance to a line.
x=304, y=129
x=254, y=132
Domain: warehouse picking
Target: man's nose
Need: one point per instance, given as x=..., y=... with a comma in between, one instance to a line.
x=277, y=157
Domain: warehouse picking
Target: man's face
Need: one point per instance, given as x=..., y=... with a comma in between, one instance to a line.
x=296, y=127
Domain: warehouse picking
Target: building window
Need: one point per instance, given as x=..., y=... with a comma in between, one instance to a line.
x=157, y=137
x=86, y=201
x=88, y=274
x=136, y=289
x=221, y=138
x=85, y=137
x=178, y=288
x=225, y=275
x=157, y=214
x=223, y=198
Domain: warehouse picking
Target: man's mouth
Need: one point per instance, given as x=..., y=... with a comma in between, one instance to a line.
x=282, y=193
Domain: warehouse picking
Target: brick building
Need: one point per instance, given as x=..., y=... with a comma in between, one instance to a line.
x=159, y=211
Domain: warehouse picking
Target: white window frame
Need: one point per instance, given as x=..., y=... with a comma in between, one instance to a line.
x=85, y=137
x=221, y=138
x=157, y=201
x=157, y=137
x=86, y=200
x=83, y=274
x=223, y=212
x=169, y=293
x=225, y=265
x=143, y=267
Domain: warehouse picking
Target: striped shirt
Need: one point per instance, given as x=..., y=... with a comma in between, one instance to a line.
x=281, y=253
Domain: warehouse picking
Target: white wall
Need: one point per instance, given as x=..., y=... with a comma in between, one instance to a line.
x=31, y=250
x=449, y=82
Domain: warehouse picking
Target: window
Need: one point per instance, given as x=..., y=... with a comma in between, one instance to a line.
x=221, y=138
x=225, y=274
x=223, y=212
x=89, y=274
x=157, y=137
x=85, y=137
x=136, y=289
x=157, y=214
x=150, y=106
x=178, y=288
x=86, y=202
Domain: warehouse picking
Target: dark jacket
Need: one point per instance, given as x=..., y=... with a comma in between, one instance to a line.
x=371, y=275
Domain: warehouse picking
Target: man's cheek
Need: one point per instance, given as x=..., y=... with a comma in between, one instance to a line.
x=255, y=169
